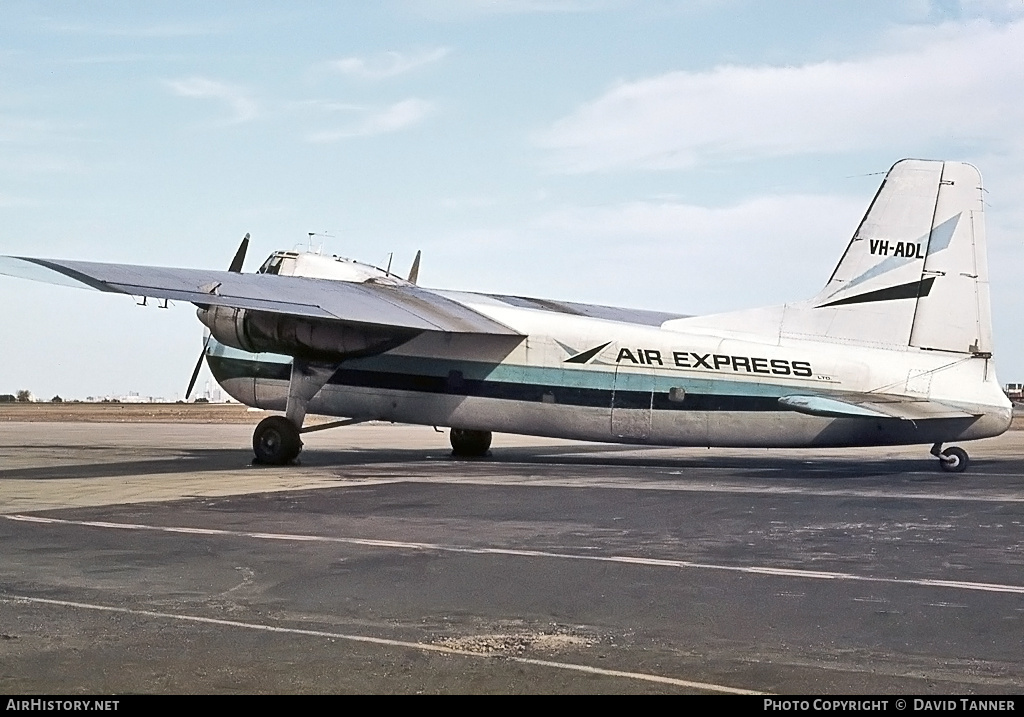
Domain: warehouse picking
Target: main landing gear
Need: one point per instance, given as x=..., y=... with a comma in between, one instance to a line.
x=469, y=444
x=276, y=440
x=952, y=460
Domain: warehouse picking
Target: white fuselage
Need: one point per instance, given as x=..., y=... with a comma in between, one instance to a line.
x=676, y=382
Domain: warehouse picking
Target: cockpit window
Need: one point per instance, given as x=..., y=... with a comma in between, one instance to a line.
x=271, y=265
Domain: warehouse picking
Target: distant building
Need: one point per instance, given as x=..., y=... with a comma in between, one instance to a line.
x=131, y=397
x=214, y=394
x=1014, y=391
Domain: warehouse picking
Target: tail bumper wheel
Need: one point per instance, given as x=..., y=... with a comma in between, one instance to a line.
x=469, y=444
x=954, y=460
x=276, y=441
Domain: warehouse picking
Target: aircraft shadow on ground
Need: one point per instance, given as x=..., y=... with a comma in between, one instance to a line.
x=557, y=458
x=419, y=462
x=194, y=460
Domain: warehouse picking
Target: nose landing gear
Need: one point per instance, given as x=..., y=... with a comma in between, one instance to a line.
x=952, y=460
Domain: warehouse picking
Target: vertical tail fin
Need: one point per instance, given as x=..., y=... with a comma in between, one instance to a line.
x=915, y=272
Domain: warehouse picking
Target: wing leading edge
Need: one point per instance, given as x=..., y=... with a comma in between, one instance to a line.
x=368, y=303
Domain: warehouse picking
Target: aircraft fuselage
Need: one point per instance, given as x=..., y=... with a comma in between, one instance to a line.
x=642, y=384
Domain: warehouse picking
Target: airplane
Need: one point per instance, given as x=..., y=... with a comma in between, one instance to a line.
x=896, y=349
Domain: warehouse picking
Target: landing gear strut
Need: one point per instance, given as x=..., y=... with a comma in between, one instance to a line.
x=469, y=444
x=276, y=439
x=952, y=460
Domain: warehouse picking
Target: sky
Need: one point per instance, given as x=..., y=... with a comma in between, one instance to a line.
x=694, y=157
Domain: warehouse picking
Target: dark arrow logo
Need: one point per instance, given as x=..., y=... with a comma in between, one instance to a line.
x=587, y=355
x=913, y=290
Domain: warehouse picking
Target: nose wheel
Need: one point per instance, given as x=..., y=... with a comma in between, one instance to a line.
x=952, y=460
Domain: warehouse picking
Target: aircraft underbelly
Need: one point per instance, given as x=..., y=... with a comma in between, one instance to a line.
x=739, y=429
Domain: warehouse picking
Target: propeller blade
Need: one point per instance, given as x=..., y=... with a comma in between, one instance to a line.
x=199, y=365
x=236, y=268
x=414, y=272
x=236, y=263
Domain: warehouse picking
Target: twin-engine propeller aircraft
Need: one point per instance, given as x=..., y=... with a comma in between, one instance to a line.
x=895, y=349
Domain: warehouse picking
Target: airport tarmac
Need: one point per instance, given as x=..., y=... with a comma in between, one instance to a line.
x=144, y=557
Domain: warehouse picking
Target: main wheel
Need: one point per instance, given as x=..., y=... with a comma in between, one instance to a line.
x=276, y=441
x=956, y=460
x=469, y=444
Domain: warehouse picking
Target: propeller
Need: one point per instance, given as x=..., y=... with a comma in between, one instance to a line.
x=199, y=365
x=235, y=268
x=236, y=263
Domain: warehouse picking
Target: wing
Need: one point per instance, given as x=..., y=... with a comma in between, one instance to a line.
x=369, y=303
x=873, y=406
x=643, y=317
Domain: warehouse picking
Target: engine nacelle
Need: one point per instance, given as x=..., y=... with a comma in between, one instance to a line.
x=308, y=338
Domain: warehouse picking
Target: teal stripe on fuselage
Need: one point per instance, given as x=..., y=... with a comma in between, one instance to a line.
x=592, y=378
x=565, y=376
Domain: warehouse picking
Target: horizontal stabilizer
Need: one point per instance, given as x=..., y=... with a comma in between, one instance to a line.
x=872, y=406
x=367, y=303
x=821, y=406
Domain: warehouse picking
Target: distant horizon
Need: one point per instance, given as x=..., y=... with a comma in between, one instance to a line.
x=8, y=398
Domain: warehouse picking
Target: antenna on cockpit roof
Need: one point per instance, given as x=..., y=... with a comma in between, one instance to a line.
x=324, y=233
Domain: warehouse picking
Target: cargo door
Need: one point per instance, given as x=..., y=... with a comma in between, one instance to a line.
x=632, y=404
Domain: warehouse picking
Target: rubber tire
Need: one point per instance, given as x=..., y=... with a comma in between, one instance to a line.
x=469, y=444
x=960, y=465
x=276, y=441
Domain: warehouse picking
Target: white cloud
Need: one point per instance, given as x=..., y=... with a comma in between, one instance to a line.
x=10, y=201
x=111, y=59
x=959, y=87
x=161, y=30
x=322, y=106
x=531, y=6
x=243, y=108
x=30, y=130
x=398, y=116
x=462, y=8
x=992, y=9
x=468, y=202
x=659, y=254
x=125, y=58
x=756, y=246
x=388, y=64
x=44, y=163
